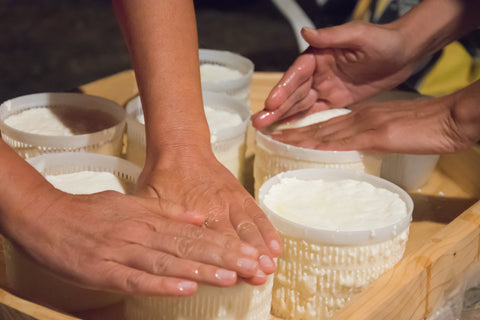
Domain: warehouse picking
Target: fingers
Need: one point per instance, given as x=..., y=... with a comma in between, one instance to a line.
x=291, y=84
x=232, y=255
x=166, y=265
x=249, y=229
x=119, y=278
x=333, y=37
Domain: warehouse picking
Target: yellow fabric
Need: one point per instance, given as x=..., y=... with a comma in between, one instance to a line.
x=361, y=11
x=454, y=70
x=380, y=7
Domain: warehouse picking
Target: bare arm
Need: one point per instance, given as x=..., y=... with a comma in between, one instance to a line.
x=180, y=166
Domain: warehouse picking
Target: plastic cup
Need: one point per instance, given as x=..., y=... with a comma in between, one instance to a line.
x=319, y=269
x=31, y=280
x=106, y=140
x=228, y=144
x=237, y=87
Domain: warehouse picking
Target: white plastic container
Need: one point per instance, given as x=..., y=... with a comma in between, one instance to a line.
x=233, y=75
x=320, y=269
x=31, y=280
x=74, y=109
x=240, y=302
x=273, y=157
x=228, y=143
x=409, y=171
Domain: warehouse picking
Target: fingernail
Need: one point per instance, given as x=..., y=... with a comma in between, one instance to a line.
x=275, y=246
x=248, y=250
x=187, y=286
x=260, y=274
x=266, y=262
x=247, y=264
x=308, y=29
x=223, y=274
x=276, y=132
x=264, y=115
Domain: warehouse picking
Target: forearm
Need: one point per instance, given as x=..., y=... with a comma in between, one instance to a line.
x=435, y=23
x=162, y=39
x=21, y=186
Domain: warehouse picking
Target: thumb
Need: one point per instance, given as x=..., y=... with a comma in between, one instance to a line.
x=344, y=36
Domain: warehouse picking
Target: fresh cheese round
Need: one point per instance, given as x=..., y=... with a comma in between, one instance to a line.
x=210, y=72
x=340, y=231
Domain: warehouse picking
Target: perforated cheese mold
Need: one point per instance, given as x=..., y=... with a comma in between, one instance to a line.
x=319, y=270
x=312, y=281
x=241, y=302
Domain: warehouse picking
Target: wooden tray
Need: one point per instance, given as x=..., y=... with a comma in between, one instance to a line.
x=444, y=237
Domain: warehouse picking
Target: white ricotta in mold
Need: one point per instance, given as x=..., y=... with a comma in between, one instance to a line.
x=39, y=121
x=87, y=182
x=210, y=72
x=343, y=205
x=313, y=118
x=60, y=121
x=219, y=120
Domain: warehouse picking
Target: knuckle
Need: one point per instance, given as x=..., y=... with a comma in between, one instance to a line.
x=132, y=283
x=195, y=232
x=162, y=264
x=183, y=247
x=245, y=227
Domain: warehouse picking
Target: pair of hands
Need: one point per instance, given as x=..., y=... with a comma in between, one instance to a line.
x=347, y=64
x=188, y=224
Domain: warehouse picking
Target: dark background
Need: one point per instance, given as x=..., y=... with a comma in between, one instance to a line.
x=48, y=45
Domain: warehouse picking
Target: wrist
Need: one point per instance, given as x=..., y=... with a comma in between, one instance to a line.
x=178, y=154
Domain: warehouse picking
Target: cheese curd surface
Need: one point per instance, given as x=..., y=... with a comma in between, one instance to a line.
x=86, y=182
x=312, y=119
x=343, y=205
x=210, y=72
x=60, y=121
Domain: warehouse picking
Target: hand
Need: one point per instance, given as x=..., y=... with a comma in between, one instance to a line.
x=201, y=184
x=343, y=65
x=113, y=242
x=427, y=126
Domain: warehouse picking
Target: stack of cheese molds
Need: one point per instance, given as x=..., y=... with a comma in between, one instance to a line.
x=34, y=281
x=62, y=122
x=322, y=265
x=227, y=119
x=273, y=157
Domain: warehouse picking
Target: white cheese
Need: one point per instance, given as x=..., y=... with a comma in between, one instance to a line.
x=215, y=73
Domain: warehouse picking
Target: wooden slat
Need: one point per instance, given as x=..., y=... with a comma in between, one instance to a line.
x=14, y=308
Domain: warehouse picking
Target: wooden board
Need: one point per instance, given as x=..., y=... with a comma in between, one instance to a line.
x=437, y=254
